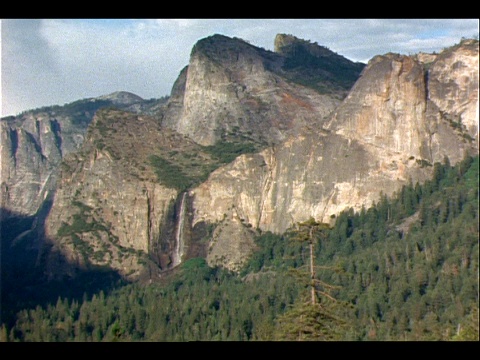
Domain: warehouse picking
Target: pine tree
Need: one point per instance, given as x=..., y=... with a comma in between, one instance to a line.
x=313, y=322
x=470, y=329
x=315, y=318
x=307, y=232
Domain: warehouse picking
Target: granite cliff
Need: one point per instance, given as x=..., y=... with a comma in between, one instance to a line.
x=231, y=86
x=34, y=143
x=389, y=131
x=307, y=132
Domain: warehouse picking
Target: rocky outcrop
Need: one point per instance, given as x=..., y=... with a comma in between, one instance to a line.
x=232, y=88
x=109, y=208
x=387, y=106
x=427, y=111
x=115, y=205
x=33, y=145
x=229, y=90
x=453, y=98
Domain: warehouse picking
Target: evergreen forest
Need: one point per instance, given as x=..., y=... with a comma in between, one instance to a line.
x=404, y=269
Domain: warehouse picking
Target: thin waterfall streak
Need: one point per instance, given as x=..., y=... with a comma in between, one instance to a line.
x=179, y=235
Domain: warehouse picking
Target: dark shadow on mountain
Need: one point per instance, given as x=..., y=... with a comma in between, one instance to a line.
x=24, y=283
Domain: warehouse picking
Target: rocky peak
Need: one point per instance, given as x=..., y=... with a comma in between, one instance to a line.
x=122, y=98
x=386, y=106
x=224, y=49
x=108, y=192
x=454, y=75
x=288, y=45
x=390, y=130
x=34, y=143
x=425, y=58
x=232, y=88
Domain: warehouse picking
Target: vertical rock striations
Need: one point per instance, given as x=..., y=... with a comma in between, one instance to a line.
x=32, y=147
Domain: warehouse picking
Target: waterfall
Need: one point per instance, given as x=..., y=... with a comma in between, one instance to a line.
x=179, y=245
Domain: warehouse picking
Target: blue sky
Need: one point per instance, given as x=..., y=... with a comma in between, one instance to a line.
x=57, y=61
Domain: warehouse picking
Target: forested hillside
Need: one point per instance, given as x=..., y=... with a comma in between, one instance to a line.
x=404, y=269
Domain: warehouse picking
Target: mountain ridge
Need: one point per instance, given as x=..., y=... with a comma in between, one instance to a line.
x=294, y=158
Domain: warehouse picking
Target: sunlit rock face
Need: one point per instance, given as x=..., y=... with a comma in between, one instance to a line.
x=406, y=106
x=231, y=86
x=453, y=91
x=387, y=132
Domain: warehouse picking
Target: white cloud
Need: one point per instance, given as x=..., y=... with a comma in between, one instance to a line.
x=27, y=62
x=176, y=23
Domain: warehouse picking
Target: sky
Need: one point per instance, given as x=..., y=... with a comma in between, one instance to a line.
x=57, y=61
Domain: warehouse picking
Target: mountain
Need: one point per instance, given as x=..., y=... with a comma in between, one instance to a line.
x=389, y=131
x=35, y=142
x=231, y=88
x=249, y=141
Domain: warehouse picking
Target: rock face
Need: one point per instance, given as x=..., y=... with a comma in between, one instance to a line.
x=387, y=132
x=109, y=208
x=147, y=188
x=306, y=176
x=32, y=147
x=402, y=105
x=229, y=90
x=387, y=107
x=231, y=86
x=34, y=144
x=453, y=94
